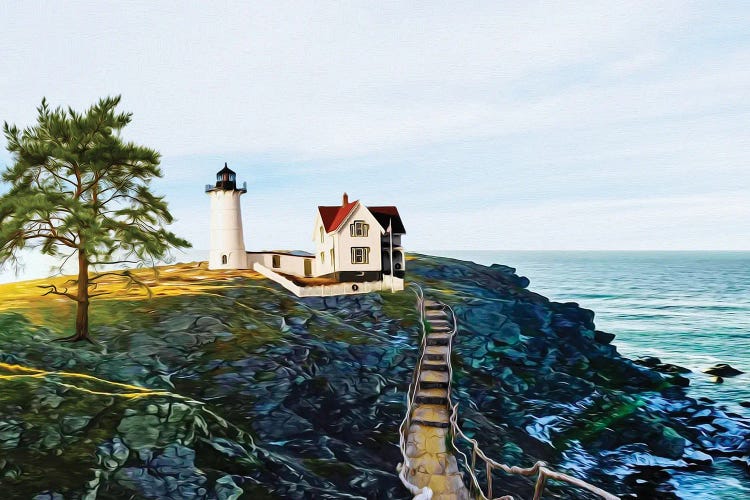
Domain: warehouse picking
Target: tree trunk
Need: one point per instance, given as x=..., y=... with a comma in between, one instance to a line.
x=82, y=311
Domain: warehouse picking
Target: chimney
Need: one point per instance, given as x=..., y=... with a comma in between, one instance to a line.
x=345, y=200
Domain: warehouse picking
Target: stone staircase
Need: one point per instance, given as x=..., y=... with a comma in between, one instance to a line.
x=432, y=463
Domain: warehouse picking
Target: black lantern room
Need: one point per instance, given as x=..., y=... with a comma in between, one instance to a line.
x=226, y=180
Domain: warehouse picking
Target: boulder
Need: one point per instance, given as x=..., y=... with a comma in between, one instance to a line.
x=112, y=454
x=679, y=380
x=648, y=361
x=10, y=433
x=508, y=333
x=73, y=423
x=139, y=431
x=226, y=489
x=670, y=444
x=723, y=370
x=603, y=337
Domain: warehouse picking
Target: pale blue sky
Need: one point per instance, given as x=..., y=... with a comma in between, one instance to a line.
x=492, y=125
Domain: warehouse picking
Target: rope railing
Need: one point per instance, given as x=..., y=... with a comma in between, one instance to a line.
x=539, y=469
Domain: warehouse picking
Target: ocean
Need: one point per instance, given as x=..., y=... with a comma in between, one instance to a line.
x=687, y=308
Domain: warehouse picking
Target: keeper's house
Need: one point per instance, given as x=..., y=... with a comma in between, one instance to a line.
x=357, y=248
x=358, y=243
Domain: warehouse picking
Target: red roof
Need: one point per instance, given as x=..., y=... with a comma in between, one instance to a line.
x=334, y=216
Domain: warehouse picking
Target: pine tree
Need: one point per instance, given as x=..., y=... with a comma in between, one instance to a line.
x=77, y=190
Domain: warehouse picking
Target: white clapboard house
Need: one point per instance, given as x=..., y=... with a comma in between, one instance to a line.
x=358, y=243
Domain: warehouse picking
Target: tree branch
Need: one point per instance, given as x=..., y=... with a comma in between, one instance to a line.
x=54, y=291
x=50, y=236
x=97, y=263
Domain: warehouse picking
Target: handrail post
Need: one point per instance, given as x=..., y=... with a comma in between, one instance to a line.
x=541, y=483
x=489, y=480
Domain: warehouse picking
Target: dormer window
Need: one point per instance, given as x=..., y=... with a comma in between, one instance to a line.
x=359, y=229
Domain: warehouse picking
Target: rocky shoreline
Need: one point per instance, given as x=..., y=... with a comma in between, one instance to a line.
x=255, y=391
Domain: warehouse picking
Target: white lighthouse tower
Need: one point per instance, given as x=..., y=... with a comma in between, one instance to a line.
x=227, y=242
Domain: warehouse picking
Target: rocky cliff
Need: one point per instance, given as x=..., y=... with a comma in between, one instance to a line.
x=234, y=386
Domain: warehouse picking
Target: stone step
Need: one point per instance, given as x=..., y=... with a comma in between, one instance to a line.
x=437, y=321
x=438, y=339
x=427, y=423
x=431, y=304
x=442, y=321
x=434, y=357
x=434, y=385
x=440, y=328
x=432, y=376
x=435, y=314
x=435, y=326
x=431, y=416
x=437, y=349
x=432, y=397
x=435, y=367
x=430, y=379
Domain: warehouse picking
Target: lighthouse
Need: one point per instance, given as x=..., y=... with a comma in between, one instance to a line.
x=227, y=241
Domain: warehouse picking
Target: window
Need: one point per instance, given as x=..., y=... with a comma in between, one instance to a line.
x=360, y=255
x=321, y=234
x=332, y=256
x=322, y=257
x=359, y=228
x=223, y=259
x=276, y=261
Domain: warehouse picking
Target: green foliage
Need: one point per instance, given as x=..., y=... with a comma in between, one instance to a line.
x=77, y=189
x=14, y=322
x=76, y=186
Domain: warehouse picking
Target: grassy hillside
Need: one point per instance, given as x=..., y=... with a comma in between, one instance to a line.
x=26, y=297
x=157, y=386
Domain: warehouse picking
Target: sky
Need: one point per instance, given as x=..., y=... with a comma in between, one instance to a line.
x=491, y=125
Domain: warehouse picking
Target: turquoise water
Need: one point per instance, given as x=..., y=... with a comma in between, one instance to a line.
x=687, y=308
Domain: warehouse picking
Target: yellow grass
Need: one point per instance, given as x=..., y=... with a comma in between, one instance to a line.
x=178, y=279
